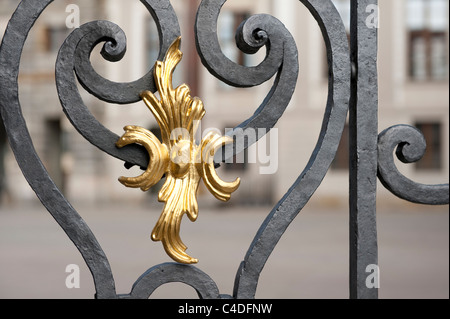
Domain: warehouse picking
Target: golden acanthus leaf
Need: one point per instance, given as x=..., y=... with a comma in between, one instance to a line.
x=177, y=156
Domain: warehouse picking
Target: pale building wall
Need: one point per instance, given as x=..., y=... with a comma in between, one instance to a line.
x=93, y=175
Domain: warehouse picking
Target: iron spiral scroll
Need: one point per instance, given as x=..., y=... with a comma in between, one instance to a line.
x=281, y=61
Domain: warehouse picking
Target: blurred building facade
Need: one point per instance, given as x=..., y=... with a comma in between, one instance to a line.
x=413, y=89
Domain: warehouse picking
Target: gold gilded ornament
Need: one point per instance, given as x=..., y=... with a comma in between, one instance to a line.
x=177, y=156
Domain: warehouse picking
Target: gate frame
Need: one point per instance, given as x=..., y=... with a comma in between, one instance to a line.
x=353, y=89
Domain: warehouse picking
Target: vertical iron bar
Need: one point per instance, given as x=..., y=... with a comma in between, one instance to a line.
x=363, y=149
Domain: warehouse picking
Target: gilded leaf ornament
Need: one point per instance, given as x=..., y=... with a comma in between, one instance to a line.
x=177, y=156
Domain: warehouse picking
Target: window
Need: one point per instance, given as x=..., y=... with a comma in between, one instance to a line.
x=228, y=23
x=239, y=162
x=428, y=48
x=152, y=43
x=227, y=26
x=342, y=159
x=54, y=37
x=55, y=148
x=432, y=160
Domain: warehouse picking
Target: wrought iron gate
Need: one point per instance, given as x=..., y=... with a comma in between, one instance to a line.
x=352, y=90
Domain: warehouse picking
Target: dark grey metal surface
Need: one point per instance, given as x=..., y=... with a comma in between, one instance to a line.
x=309, y=180
x=162, y=274
x=75, y=55
x=411, y=147
x=281, y=59
x=363, y=128
x=33, y=169
x=369, y=154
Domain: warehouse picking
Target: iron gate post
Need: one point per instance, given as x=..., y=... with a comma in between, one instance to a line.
x=363, y=129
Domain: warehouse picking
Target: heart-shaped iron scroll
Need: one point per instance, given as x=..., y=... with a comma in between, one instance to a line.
x=257, y=31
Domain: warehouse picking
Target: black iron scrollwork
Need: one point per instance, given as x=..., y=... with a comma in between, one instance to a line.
x=162, y=274
x=281, y=63
x=309, y=180
x=32, y=168
x=281, y=59
x=411, y=147
x=73, y=62
x=74, y=56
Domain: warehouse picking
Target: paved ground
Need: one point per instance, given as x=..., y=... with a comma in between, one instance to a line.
x=311, y=261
